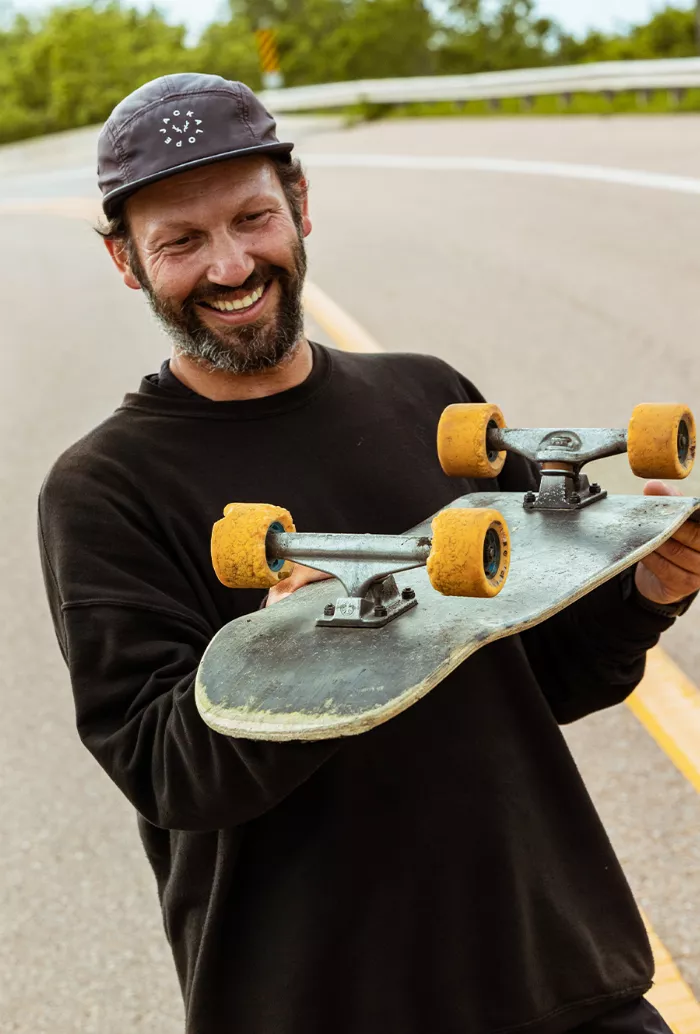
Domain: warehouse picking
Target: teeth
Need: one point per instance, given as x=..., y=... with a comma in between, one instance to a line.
x=244, y=303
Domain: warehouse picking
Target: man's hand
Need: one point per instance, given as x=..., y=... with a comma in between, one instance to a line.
x=300, y=576
x=672, y=572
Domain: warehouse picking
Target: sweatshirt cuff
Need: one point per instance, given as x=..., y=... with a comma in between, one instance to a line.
x=669, y=610
x=618, y=621
x=648, y=617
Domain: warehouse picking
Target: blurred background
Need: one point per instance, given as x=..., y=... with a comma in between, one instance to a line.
x=512, y=185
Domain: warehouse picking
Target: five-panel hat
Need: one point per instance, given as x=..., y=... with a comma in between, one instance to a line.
x=176, y=123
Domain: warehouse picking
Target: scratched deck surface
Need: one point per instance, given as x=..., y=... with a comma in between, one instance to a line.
x=274, y=675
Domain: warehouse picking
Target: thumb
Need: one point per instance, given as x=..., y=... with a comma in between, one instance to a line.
x=660, y=488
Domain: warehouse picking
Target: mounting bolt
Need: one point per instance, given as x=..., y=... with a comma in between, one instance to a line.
x=530, y=498
x=575, y=498
x=380, y=611
x=329, y=610
x=408, y=594
x=594, y=488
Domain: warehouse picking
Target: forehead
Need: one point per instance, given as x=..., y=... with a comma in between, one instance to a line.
x=199, y=195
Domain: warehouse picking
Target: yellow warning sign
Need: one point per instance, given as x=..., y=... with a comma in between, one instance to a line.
x=267, y=49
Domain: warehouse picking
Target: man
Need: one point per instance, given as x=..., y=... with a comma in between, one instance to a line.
x=445, y=873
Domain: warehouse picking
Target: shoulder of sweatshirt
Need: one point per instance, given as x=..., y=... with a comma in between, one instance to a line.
x=412, y=366
x=422, y=377
x=97, y=466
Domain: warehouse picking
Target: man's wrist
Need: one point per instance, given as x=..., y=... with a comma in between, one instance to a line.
x=664, y=610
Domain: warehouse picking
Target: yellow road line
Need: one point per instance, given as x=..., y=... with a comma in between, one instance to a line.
x=670, y=993
x=342, y=328
x=668, y=706
x=666, y=702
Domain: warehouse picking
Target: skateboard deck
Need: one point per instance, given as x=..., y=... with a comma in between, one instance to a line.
x=276, y=675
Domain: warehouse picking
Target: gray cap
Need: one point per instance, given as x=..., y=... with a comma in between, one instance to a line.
x=176, y=123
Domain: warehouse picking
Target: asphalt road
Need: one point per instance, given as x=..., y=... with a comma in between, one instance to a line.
x=564, y=300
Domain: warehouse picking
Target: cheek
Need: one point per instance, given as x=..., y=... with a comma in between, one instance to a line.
x=279, y=244
x=173, y=281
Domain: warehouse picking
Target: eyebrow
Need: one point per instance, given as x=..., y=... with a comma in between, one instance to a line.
x=167, y=229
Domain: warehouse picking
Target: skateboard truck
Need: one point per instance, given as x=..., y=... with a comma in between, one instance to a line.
x=466, y=553
x=473, y=441
x=561, y=454
x=364, y=565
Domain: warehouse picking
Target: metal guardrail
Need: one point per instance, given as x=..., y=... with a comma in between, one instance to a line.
x=677, y=74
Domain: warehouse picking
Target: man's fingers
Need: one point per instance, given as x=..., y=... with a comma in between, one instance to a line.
x=680, y=555
x=677, y=583
x=661, y=488
x=689, y=535
x=299, y=577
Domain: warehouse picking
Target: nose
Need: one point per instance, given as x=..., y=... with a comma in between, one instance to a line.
x=229, y=262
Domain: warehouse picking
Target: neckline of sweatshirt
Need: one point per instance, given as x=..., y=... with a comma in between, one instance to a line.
x=158, y=395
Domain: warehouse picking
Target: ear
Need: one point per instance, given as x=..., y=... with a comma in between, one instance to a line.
x=306, y=224
x=118, y=254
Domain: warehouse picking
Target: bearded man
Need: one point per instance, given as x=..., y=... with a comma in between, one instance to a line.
x=444, y=873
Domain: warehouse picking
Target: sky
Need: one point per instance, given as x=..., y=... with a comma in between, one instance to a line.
x=576, y=16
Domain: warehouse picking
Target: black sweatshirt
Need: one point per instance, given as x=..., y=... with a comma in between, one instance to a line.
x=445, y=873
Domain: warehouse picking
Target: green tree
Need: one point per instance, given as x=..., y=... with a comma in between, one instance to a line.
x=476, y=38
x=229, y=49
x=72, y=66
x=670, y=32
x=333, y=40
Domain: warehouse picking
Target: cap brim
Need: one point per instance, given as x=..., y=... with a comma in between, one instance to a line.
x=115, y=198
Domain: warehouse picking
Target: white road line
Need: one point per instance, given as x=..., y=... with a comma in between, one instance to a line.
x=461, y=163
x=454, y=163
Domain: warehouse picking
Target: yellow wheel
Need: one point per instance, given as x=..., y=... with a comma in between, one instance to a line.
x=462, y=448
x=661, y=440
x=470, y=555
x=238, y=550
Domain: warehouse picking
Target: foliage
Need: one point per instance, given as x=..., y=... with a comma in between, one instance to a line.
x=669, y=33
x=469, y=40
x=71, y=65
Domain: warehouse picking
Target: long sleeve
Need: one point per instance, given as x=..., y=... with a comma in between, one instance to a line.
x=132, y=631
x=592, y=655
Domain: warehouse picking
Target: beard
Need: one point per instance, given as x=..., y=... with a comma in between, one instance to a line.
x=249, y=348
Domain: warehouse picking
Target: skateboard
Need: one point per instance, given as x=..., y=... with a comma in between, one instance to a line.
x=400, y=612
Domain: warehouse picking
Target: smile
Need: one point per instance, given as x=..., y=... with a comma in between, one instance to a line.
x=238, y=309
x=237, y=303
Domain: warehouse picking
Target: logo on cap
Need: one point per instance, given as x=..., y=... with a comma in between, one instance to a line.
x=187, y=132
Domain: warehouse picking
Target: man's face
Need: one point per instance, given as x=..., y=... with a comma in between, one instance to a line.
x=222, y=263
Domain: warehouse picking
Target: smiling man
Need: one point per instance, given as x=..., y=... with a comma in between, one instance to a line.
x=445, y=873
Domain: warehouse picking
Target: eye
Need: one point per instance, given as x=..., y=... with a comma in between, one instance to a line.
x=179, y=242
x=254, y=216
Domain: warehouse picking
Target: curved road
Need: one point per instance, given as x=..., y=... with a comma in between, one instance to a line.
x=567, y=300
